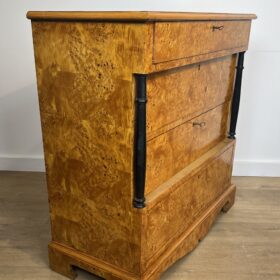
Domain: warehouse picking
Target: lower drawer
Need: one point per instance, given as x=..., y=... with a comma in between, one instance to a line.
x=177, y=207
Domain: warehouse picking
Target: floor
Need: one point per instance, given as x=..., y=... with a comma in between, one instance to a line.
x=243, y=244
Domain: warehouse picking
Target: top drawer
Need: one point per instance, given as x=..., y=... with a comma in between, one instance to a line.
x=174, y=40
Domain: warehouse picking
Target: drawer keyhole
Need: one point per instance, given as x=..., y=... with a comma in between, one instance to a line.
x=215, y=27
x=200, y=124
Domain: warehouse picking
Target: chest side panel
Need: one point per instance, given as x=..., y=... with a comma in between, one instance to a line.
x=86, y=95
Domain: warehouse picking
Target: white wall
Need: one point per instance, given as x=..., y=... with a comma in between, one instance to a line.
x=258, y=148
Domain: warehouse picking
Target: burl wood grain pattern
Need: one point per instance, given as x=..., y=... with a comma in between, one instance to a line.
x=170, y=152
x=85, y=74
x=191, y=238
x=189, y=198
x=187, y=92
x=63, y=258
x=216, y=162
x=178, y=40
x=152, y=264
x=86, y=95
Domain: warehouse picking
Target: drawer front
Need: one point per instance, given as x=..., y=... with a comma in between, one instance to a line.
x=176, y=96
x=177, y=211
x=174, y=40
x=170, y=152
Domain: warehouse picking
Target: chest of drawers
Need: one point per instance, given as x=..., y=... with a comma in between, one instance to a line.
x=138, y=113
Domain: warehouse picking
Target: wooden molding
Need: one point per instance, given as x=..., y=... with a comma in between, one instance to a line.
x=144, y=16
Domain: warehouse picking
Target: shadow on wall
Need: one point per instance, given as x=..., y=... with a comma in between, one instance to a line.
x=21, y=145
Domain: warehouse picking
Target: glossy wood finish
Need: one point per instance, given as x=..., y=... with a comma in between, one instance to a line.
x=206, y=186
x=86, y=84
x=62, y=258
x=204, y=86
x=88, y=143
x=193, y=190
x=143, y=16
x=170, y=152
x=191, y=238
x=179, y=40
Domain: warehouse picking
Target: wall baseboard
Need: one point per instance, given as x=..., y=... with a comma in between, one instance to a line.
x=261, y=168
x=266, y=168
x=22, y=163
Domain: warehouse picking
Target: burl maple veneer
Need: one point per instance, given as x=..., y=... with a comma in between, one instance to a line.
x=138, y=114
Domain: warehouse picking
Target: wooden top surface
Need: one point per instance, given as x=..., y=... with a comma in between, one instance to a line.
x=134, y=16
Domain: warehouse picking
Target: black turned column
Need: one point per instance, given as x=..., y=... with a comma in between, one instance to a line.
x=140, y=142
x=236, y=95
